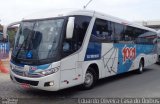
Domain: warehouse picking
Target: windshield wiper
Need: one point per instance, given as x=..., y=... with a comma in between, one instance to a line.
x=21, y=47
x=24, y=42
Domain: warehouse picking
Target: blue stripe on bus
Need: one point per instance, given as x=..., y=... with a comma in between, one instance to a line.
x=94, y=52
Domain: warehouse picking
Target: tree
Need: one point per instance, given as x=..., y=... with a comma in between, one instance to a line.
x=11, y=34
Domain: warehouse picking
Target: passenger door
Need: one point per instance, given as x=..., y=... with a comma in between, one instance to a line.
x=71, y=74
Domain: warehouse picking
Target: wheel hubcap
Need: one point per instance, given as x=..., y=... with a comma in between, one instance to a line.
x=88, y=79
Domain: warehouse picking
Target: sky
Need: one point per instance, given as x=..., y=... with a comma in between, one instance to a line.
x=131, y=10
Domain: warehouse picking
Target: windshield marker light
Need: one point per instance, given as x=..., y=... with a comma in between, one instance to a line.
x=29, y=55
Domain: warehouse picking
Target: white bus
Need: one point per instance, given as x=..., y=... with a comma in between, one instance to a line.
x=57, y=50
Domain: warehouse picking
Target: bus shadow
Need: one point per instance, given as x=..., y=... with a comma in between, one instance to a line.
x=69, y=92
x=118, y=77
x=62, y=94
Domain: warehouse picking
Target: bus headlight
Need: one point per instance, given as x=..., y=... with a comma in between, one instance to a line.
x=50, y=71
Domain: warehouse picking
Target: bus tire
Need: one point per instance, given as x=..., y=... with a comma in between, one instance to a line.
x=141, y=66
x=90, y=79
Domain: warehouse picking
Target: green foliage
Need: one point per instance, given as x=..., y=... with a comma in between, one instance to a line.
x=11, y=33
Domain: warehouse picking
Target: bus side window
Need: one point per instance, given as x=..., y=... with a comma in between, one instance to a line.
x=103, y=31
x=119, y=30
x=72, y=45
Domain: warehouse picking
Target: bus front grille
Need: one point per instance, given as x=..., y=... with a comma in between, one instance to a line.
x=33, y=83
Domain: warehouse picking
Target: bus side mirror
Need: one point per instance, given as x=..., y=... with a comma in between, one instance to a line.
x=70, y=28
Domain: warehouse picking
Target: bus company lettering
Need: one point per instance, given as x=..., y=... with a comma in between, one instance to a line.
x=93, y=56
x=129, y=53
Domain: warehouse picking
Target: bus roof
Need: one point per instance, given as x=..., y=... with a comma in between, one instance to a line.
x=58, y=13
x=68, y=12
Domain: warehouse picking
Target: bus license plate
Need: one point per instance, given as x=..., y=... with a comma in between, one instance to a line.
x=25, y=85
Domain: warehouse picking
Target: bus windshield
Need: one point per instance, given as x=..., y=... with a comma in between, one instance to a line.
x=38, y=39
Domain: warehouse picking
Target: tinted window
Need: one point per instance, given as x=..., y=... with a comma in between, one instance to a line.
x=129, y=34
x=107, y=31
x=119, y=31
x=103, y=31
x=146, y=37
x=138, y=36
x=80, y=28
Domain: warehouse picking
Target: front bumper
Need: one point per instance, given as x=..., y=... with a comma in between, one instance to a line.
x=38, y=83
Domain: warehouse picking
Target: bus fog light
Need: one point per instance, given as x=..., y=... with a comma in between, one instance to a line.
x=47, y=84
x=51, y=83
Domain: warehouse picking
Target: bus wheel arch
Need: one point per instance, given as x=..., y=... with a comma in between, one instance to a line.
x=95, y=68
x=91, y=77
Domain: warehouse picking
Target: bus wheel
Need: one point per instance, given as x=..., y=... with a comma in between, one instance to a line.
x=140, y=69
x=90, y=79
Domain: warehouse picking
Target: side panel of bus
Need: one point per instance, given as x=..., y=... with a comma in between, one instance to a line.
x=116, y=52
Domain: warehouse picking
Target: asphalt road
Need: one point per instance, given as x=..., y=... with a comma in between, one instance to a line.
x=128, y=85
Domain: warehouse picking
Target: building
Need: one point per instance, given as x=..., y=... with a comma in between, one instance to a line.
x=152, y=24
x=13, y=28
x=1, y=28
